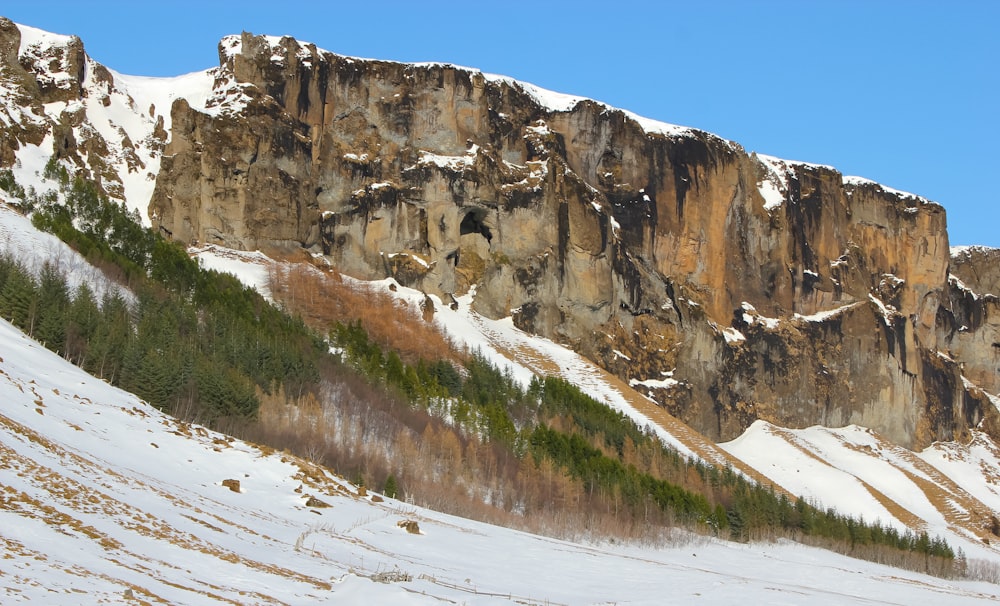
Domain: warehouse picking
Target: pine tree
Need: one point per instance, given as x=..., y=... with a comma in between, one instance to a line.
x=111, y=339
x=82, y=320
x=18, y=299
x=390, y=488
x=53, y=301
x=7, y=265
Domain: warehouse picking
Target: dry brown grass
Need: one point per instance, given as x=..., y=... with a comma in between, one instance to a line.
x=323, y=298
x=960, y=508
x=67, y=502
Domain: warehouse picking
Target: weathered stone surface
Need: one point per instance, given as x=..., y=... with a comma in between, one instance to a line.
x=761, y=289
x=978, y=268
x=49, y=94
x=230, y=189
x=18, y=89
x=969, y=328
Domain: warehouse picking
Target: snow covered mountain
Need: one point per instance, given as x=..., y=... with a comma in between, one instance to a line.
x=104, y=497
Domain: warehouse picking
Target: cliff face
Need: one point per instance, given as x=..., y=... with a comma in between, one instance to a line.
x=971, y=332
x=728, y=286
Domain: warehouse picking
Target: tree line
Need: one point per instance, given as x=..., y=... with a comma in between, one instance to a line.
x=625, y=468
x=186, y=339
x=199, y=344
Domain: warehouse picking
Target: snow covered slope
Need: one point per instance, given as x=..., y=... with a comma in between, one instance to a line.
x=103, y=498
x=949, y=489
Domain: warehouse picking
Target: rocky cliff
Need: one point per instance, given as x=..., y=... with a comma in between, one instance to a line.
x=728, y=286
x=972, y=328
x=58, y=104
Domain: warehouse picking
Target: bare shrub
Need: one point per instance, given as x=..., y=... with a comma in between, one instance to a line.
x=322, y=297
x=987, y=571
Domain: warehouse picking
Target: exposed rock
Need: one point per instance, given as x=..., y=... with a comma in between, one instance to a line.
x=317, y=503
x=729, y=286
x=978, y=267
x=410, y=526
x=19, y=90
x=58, y=69
x=233, y=485
x=969, y=327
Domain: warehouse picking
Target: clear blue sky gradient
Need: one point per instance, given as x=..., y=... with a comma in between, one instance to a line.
x=902, y=92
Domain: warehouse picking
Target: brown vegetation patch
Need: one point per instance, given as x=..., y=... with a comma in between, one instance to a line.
x=317, y=503
x=907, y=517
x=203, y=523
x=324, y=297
x=959, y=507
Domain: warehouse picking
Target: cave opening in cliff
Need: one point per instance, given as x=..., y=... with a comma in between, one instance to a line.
x=472, y=223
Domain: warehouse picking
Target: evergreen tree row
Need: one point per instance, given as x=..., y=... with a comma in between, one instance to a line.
x=595, y=442
x=191, y=339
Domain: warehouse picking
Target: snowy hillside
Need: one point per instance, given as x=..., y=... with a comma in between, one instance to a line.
x=105, y=498
x=950, y=489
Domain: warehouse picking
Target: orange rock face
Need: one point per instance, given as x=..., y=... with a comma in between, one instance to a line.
x=763, y=289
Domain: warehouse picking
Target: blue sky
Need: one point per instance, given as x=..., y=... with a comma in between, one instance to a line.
x=902, y=92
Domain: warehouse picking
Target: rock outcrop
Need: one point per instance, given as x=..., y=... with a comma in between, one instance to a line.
x=20, y=98
x=978, y=268
x=727, y=286
x=970, y=333
x=75, y=111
